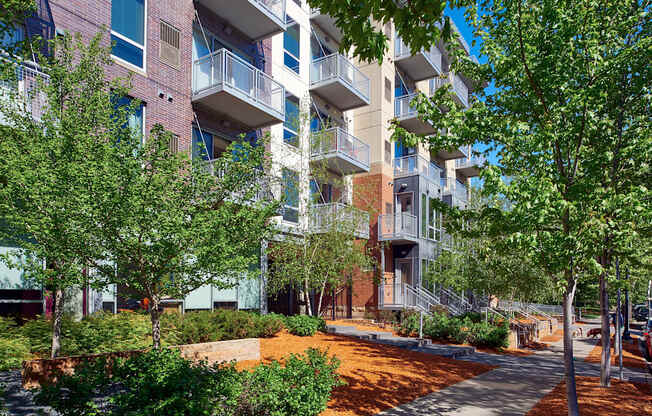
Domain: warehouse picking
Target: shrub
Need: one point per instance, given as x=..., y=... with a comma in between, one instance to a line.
x=13, y=351
x=161, y=382
x=489, y=336
x=269, y=325
x=304, y=325
x=302, y=387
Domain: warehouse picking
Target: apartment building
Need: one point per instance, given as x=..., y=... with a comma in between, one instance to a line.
x=211, y=71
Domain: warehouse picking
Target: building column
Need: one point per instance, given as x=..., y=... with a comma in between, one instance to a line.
x=263, y=277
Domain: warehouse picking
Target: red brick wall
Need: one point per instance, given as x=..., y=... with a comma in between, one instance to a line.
x=87, y=17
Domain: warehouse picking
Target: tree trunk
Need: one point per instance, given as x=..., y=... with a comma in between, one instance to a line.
x=321, y=299
x=59, y=299
x=306, y=294
x=156, y=322
x=569, y=364
x=605, y=359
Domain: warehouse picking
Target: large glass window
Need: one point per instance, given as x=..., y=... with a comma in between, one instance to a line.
x=128, y=31
x=291, y=123
x=424, y=216
x=291, y=48
x=433, y=221
x=12, y=36
x=202, y=144
x=136, y=120
x=291, y=195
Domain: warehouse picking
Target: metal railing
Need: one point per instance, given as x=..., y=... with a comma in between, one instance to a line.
x=453, y=187
x=417, y=165
x=223, y=68
x=262, y=182
x=393, y=226
x=433, y=55
x=468, y=162
x=275, y=7
x=457, y=85
x=336, y=140
x=335, y=214
x=403, y=108
x=406, y=296
x=23, y=91
x=336, y=66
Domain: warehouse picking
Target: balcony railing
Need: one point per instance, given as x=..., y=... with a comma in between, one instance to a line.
x=24, y=92
x=345, y=217
x=337, y=142
x=416, y=165
x=224, y=69
x=473, y=161
x=397, y=226
x=262, y=181
x=453, y=187
x=336, y=67
x=433, y=56
x=457, y=85
x=403, y=108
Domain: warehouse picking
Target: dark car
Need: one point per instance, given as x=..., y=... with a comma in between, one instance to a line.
x=640, y=313
x=645, y=344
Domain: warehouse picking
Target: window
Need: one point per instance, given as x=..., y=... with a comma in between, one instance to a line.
x=202, y=144
x=424, y=216
x=399, y=87
x=12, y=36
x=388, y=90
x=388, y=152
x=290, y=195
x=128, y=31
x=135, y=120
x=291, y=50
x=434, y=221
x=291, y=123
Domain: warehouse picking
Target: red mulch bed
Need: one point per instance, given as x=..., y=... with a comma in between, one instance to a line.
x=632, y=357
x=622, y=398
x=378, y=377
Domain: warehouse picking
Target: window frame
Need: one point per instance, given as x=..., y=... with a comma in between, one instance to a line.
x=131, y=42
x=291, y=130
x=287, y=172
x=285, y=51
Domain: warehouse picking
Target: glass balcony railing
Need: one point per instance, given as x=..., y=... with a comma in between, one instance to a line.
x=416, y=165
x=397, y=226
x=24, y=91
x=433, y=55
x=275, y=7
x=403, y=108
x=335, y=214
x=452, y=186
x=458, y=86
x=224, y=69
x=337, y=67
x=335, y=140
x=470, y=162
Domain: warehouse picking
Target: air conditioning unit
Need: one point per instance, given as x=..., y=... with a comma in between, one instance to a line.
x=169, y=51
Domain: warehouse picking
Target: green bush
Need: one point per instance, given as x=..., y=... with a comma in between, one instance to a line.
x=13, y=351
x=304, y=325
x=161, y=382
x=269, y=325
x=489, y=336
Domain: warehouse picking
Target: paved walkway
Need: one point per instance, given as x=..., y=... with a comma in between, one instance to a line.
x=510, y=390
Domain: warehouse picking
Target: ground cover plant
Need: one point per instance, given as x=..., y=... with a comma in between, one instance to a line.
x=102, y=332
x=304, y=325
x=460, y=330
x=161, y=382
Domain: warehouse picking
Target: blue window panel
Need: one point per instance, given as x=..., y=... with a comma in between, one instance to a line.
x=202, y=144
x=134, y=120
x=291, y=113
x=290, y=138
x=291, y=196
x=128, y=19
x=399, y=89
x=126, y=51
x=291, y=40
x=291, y=62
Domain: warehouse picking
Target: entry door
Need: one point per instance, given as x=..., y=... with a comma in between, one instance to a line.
x=403, y=205
x=405, y=271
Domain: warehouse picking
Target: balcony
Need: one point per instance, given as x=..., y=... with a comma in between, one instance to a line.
x=225, y=84
x=458, y=86
x=326, y=23
x=256, y=19
x=398, y=228
x=408, y=117
x=347, y=218
x=455, y=193
x=416, y=165
x=263, y=183
x=450, y=153
x=470, y=166
x=25, y=91
x=423, y=65
x=338, y=81
x=342, y=152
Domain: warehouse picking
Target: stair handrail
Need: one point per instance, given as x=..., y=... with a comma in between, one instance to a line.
x=465, y=304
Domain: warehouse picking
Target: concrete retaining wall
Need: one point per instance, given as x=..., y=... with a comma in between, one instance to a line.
x=37, y=372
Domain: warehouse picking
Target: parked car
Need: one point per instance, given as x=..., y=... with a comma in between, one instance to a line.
x=645, y=344
x=640, y=312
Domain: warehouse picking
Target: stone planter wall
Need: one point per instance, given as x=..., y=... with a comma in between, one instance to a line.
x=36, y=372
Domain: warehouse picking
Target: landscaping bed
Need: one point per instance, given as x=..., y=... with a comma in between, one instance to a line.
x=378, y=377
x=632, y=357
x=622, y=398
x=556, y=337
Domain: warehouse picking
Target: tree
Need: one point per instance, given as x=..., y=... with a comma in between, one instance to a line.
x=55, y=143
x=554, y=123
x=324, y=250
x=178, y=223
